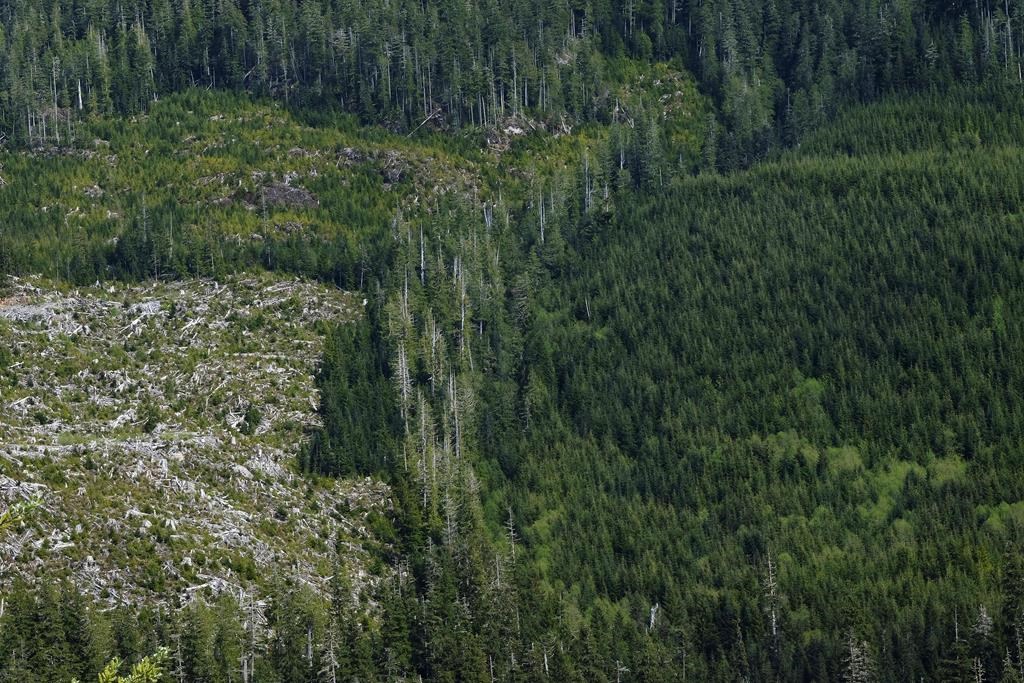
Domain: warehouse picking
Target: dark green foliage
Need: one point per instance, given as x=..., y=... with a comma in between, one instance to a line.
x=397, y=63
x=50, y=634
x=296, y=620
x=251, y=420
x=356, y=403
x=812, y=362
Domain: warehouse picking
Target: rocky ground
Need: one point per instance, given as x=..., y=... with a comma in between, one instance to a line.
x=159, y=424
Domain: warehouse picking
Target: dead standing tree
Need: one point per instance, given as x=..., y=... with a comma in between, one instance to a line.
x=771, y=596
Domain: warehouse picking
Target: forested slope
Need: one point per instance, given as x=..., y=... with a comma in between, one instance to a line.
x=208, y=185
x=754, y=425
x=777, y=69
x=784, y=405
x=669, y=376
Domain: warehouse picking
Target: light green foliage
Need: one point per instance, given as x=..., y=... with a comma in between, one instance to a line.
x=149, y=670
x=947, y=470
x=671, y=96
x=1004, y=518
x=205, y=184
x=18, y=513
x=845, y=460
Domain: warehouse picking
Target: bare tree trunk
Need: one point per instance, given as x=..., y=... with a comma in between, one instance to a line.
x=56, y=126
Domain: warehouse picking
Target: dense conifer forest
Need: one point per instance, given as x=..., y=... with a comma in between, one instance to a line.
x=777, y=69
x=690, y=337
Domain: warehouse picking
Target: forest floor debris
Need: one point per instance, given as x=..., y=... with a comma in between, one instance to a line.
x=160, y=423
